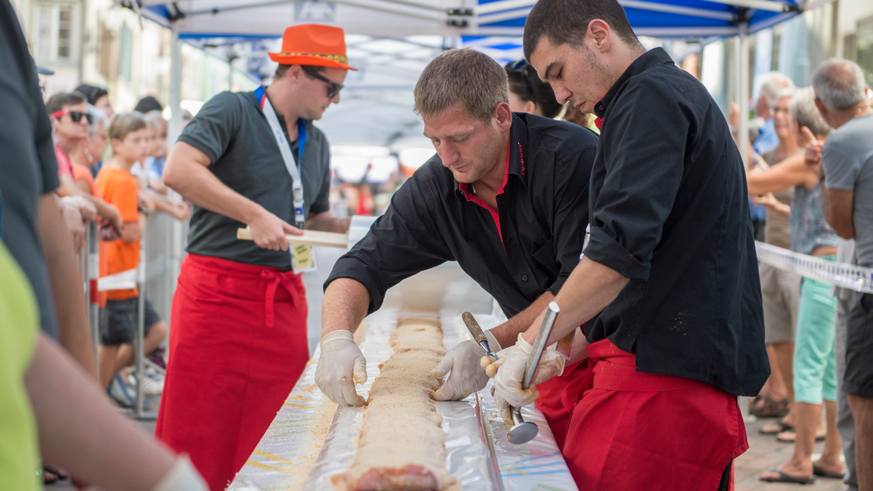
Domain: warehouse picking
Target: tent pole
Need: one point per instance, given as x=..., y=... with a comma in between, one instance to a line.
x=177, y=235
x=175, y=85
x=742, y=89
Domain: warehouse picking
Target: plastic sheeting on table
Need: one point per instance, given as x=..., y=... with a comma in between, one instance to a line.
x=477, y=451
x=468, y=456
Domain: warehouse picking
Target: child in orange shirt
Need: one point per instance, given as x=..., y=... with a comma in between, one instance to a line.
x=129, y=135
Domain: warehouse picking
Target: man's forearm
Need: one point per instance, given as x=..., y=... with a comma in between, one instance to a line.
x=198, y=185
x=840, y=218
x=344, y=307
x=826, y=203
x=74, y=332
x=589, y=289
x=81, y=432
x=507, y=333
x=104, y=209
x=327, y=222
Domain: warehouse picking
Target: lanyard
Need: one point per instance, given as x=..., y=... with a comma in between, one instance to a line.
x=285, y=150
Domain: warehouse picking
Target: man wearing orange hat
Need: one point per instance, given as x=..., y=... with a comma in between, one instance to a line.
x=238, y=341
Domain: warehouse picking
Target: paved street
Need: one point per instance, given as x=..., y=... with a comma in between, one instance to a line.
x=765, y=453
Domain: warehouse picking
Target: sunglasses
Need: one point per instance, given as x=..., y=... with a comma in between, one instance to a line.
x=76, y=116
x=333, y=88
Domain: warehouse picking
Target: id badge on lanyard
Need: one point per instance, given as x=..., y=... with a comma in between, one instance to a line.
x=302, y=258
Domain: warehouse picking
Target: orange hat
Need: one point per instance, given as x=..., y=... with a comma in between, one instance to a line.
x=313, y=44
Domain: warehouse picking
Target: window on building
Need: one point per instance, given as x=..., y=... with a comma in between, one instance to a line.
x=65, y=21
x=106, y=46
x=55, y=32
x=125, y=52
x=864, y=49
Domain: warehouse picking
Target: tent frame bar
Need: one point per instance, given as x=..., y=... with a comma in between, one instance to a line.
x=386, y=9
x=741, y=69
x=759, y=5
x=503, y=5
x=662, y=32
x=152, y=3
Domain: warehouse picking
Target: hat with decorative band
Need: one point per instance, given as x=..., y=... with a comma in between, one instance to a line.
x=313, y=44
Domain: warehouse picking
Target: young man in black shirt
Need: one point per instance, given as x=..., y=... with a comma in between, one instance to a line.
x=670, y=272
x=506, y=196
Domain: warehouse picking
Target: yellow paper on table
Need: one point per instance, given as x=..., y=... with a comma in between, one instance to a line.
x=302, y=258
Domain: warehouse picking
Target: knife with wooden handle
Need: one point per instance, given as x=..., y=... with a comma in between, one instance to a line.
x=478, y=334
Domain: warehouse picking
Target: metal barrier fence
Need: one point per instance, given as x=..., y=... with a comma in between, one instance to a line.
x=89, y=267
x=856, y=278
x=162, y=247
x=164, y=251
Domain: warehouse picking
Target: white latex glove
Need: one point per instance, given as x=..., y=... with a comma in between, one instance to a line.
x=467, y=374
x=510, y=373
x=182, y=477
x=340, y=367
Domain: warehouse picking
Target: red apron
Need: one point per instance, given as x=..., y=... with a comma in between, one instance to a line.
x=550, y=400
x=632, y=430
x=238, y=344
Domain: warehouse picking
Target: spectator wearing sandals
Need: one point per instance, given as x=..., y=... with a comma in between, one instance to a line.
x=814, y=360
x=780, y=289
x=845, y=166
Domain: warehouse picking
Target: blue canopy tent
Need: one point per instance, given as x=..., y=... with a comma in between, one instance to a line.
x=657, y=18
x=496, y=23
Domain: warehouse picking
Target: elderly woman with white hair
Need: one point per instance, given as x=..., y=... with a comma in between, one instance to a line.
x=814, y=360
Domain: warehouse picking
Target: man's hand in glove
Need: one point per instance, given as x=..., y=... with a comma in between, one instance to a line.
x=467, y=374
x=510, y=372
x=340, y=367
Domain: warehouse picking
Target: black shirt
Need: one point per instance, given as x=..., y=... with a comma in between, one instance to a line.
x=233, y=132
x=669, y=210
x=28, y=169
x=542, y=214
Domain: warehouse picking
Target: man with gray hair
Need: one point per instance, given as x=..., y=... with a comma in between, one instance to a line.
x=775, y=83
x=506, y=196
x=845, y=166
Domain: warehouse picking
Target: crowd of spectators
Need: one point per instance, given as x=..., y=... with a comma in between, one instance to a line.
x=811, y=169
x=52, y=410
x=109, y=168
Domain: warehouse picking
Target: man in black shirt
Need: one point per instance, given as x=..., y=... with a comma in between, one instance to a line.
x=506, y=196
x=670, y=271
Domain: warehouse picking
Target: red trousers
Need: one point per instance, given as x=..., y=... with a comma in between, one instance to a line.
x=238, y=345
x=551, y=403
x=631, y=430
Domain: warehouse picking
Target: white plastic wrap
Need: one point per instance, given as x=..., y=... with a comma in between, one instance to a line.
x=312, y=439
x=467, y=453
